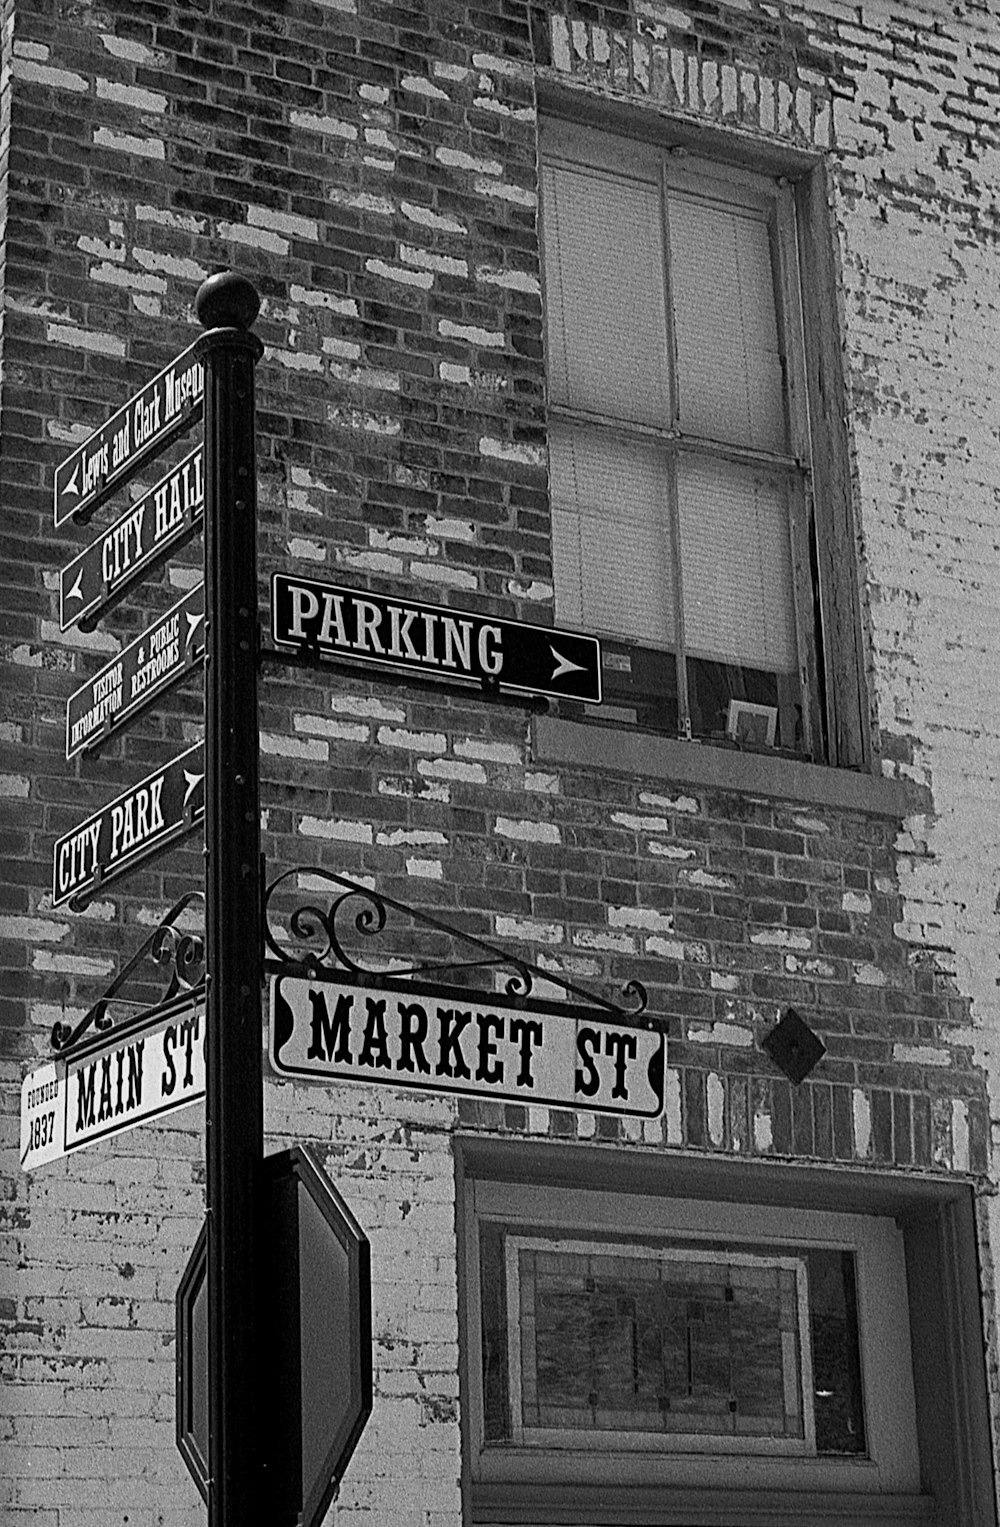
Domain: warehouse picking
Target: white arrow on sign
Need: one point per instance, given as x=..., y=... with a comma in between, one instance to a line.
x=563, y=664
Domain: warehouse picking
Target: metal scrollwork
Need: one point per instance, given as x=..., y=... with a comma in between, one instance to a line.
x=180, y=950
x=315, y=942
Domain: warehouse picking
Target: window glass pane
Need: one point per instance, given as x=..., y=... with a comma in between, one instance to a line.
x=840, y=1420
x=730, y=380
x=648, y=1345
x=604, y=304
x=735, y=564
x=672, y=1343
x=611, y=542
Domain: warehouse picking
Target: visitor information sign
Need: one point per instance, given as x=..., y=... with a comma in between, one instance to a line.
x=143, y=1070
x=450, y=1040
x=164, y=653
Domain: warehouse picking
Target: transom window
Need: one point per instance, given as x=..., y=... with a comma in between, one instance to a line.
x=621, y=1344
x=678, y=439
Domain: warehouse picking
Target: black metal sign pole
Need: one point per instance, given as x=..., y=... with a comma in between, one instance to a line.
x=227, y=305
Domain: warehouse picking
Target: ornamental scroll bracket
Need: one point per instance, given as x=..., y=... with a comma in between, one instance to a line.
x=311, y=941
x=178, y=951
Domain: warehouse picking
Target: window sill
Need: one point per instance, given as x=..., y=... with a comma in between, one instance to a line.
x=620, y=1506
x=573, y=743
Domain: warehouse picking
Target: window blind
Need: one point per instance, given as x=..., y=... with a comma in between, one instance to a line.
x=735, y=564
x=603, y=251
x=728, y=357
x=611, y=542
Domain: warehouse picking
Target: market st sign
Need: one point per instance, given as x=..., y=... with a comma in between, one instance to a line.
x=149, y=1067
x=166, y=406
x=324, y=620
x=457, y=1041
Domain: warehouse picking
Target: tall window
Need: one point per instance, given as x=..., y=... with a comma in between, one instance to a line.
x=678, y=436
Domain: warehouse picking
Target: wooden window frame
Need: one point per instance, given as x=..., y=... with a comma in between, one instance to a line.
x=824, y=547
x=940, y=1304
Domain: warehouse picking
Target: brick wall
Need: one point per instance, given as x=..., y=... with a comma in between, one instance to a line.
x=372, y=168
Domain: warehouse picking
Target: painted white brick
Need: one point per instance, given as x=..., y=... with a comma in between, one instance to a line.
x=340, y=831
x=529, y=928
x=508, y=450
x=457, y=159
x=129, y=143
x=781, y=938
x=417, y=742
x=488, y=752
x=306, y=550
x=453, y=769
x=921, y=1055
x=361, y=705
x=511, y=280
x=685, y=803
x=338, y=731
x=71, y=964
x=34, y=930
x=426, y=259
x=670, y=948
x=640, y=917
x=33, y=73
x=255, y=238
x=85, y=339
x=425, y=869
x=449, y=577
x=131, y=95
x=331, y=127
x=420, y=86
x=283, y=746
x=525, y=831
x=421, y=278
x=618, y=943
x=493, y=339
x=414, y=838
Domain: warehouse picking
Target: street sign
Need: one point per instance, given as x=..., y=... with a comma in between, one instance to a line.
x=147, y=1067
x=162, y=807
x=324, y=620
x=172, y=647
x=457, y=1041
x=168, y=404
x=163, y=519
x=314, y=1379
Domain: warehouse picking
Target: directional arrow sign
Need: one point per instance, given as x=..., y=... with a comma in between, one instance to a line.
x=172, y=647
x=150, y=1066
x=164, y=518
x=168, y=404
x=164, y=806
x=327, y=621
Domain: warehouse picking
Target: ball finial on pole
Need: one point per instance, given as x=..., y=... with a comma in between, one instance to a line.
x=227, y=301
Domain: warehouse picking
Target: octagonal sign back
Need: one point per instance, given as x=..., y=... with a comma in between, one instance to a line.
x=314, y=1338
